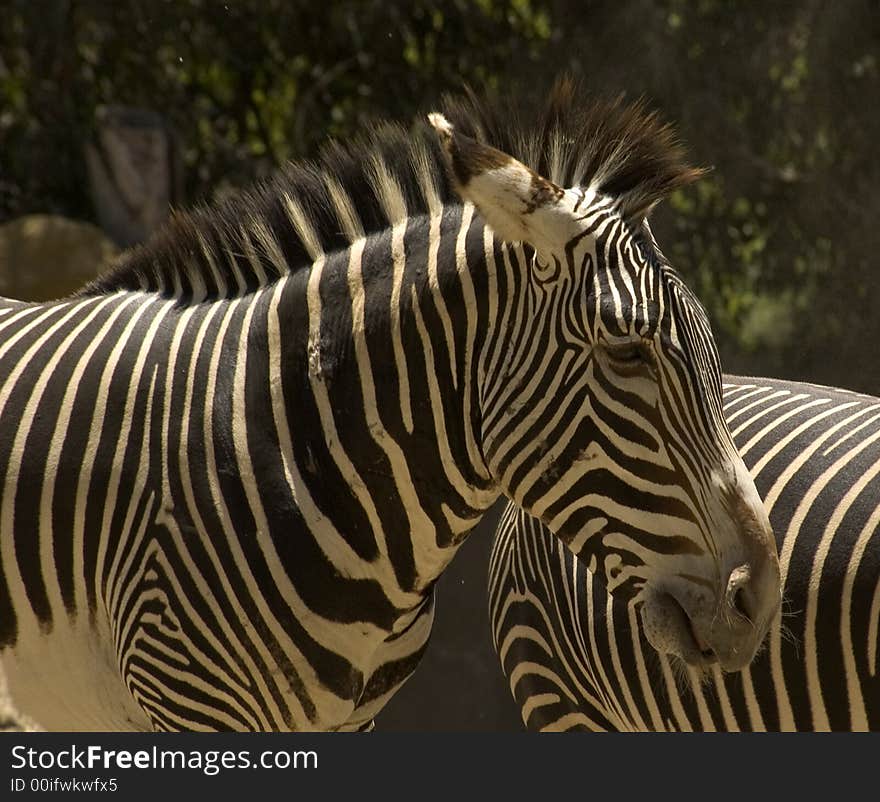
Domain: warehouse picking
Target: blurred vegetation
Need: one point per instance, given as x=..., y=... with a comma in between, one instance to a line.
x=780, y=98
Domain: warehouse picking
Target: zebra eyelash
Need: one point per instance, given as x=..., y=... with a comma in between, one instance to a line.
x=630, y=357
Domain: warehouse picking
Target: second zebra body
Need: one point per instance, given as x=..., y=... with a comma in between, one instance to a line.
x=577, y=658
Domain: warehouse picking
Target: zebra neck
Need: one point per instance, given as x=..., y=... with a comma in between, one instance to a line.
x=511, y=363
x=533, y=374
x=377, y=369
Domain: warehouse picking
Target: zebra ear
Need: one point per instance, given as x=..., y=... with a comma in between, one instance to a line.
x=519, y=204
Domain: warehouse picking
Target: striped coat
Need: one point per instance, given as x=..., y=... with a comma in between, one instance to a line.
x=577, y=658
x=234, y=466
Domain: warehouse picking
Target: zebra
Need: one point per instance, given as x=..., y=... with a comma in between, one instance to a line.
x=577, y=658
x=235, y=464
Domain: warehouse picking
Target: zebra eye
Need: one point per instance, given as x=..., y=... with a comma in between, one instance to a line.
x=629, y=358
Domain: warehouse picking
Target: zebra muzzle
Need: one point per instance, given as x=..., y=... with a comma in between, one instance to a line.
x=704, y=633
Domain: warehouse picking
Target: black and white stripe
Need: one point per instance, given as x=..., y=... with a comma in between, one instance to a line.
x=576, y=657
x=234, y=466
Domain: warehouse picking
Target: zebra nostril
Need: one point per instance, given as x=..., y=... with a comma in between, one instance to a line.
x=738, y=596
x=741, y=603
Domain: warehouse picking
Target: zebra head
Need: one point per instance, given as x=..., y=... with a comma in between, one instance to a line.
x=605, y=420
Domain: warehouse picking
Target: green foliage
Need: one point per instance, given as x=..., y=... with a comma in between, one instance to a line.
x=780, y=98
x=246, y=85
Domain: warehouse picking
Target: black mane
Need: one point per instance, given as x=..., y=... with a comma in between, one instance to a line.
x=621, y=149
x=380, y=178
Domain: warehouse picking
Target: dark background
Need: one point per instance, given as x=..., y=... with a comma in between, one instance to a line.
x=781, y=99
x=459, y=684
